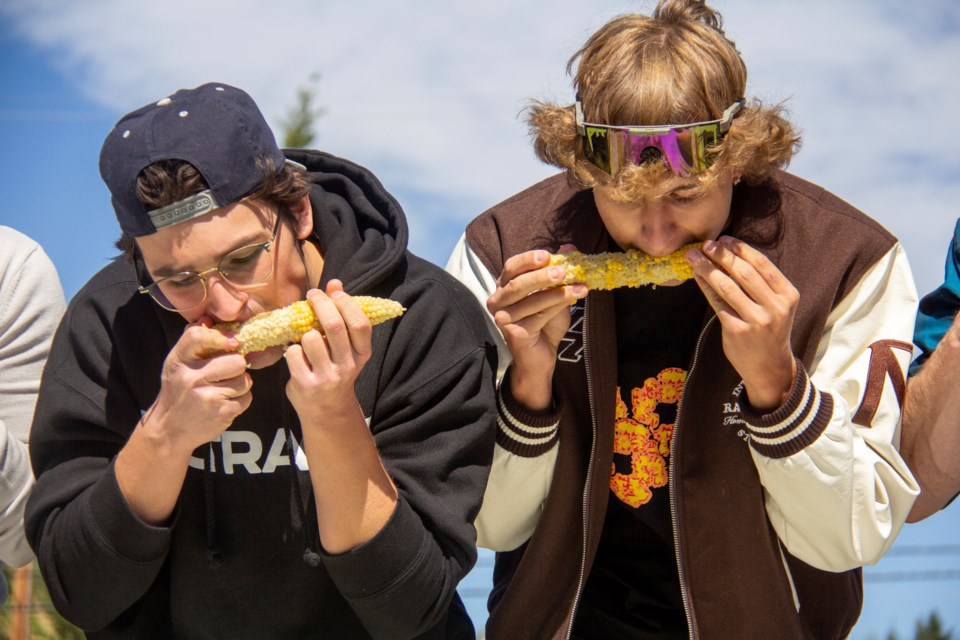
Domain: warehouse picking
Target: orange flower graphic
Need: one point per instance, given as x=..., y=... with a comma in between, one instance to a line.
x=641, y=436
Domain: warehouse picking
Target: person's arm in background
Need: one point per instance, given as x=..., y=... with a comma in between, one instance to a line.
x=16, y=480
x=31, y=305
x=930, y=440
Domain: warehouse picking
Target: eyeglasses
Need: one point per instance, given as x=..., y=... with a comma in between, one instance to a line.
x=686, y=148
x=246, y=267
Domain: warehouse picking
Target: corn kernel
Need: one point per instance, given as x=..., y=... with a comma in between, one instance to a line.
x=289, y=324
x=628, y=269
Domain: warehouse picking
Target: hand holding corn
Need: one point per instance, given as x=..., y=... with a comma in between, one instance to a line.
x=604, y=271
x=531, y=305
x=287, y=325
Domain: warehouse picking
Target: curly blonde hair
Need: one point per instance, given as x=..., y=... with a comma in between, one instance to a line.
x=674, y=66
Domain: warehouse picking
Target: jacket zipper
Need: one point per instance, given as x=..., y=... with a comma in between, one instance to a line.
x=586, y=487
x=684, y=592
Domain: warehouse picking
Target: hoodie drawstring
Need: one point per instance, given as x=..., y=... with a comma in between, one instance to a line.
x=310, y=556
x=210, y=509
x=298, y=515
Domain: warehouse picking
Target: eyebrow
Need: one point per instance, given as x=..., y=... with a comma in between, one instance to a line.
x=684, y=185
x=249, y=239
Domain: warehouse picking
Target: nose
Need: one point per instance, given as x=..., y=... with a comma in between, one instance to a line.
x=658, y=230
x=224, y=303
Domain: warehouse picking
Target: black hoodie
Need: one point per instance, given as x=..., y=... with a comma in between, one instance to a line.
x=236, y=560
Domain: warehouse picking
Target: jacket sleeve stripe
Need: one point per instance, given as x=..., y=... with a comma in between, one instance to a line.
x=522, y=448
x=793, y=426
x=522, y=432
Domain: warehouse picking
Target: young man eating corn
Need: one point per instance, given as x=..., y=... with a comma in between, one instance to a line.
x=320, y=489
x=712, y=457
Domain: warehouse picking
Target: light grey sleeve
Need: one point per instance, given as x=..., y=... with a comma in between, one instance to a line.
x=31, y=305
x=16, y=480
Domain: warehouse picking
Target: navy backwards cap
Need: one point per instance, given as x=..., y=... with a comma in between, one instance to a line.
x=215, y=127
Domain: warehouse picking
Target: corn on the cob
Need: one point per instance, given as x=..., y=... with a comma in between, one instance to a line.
x=288, y=324
x=630, y=269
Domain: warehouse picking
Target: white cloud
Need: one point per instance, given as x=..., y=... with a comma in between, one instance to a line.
x=429, y=97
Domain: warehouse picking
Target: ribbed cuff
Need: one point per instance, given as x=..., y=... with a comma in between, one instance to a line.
x=523, y=432
x=793, y=426
x=382, y=562
x=129, y=537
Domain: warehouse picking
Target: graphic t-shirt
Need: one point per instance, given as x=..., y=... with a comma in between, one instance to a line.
x=633, y=590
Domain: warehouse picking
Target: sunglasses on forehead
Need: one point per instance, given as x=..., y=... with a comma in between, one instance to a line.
x=686, y=148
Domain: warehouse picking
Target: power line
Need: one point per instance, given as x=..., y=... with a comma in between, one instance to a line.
x=925, y=550
x=911, y=576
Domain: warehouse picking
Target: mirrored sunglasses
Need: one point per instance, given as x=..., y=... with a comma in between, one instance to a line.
x=686, y=148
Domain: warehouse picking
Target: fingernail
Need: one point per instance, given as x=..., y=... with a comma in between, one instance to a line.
x=554, y=273
x=727, y=241
x=579, y=290
x=541, y=256
x=710, y=245
x=692, y=255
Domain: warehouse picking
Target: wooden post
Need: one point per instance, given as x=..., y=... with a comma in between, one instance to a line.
x=22, y=599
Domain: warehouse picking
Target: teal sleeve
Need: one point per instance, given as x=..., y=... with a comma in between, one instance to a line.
x=938, y=308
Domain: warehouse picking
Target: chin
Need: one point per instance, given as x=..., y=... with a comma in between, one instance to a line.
x=265, y=358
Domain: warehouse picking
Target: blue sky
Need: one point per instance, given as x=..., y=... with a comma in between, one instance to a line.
x=429, y=100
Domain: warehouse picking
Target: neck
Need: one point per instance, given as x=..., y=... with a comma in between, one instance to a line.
x=313, y=261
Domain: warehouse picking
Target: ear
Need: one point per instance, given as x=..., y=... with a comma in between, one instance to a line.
x=302, y=213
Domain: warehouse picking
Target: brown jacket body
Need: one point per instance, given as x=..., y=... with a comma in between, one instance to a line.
x=730, y=558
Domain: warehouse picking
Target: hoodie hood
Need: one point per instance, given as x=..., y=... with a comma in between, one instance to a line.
x=362, y=232
x=358, y=225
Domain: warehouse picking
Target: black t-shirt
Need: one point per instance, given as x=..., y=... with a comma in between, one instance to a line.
x=633, y=589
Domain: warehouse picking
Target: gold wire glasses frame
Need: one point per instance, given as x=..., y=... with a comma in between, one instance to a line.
x=242, y=268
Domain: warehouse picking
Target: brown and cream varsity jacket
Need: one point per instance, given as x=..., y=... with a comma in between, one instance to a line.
x=773, y=514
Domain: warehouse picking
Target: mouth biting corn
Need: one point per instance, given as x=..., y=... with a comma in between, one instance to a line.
x=289, y=324
x=604, y=271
